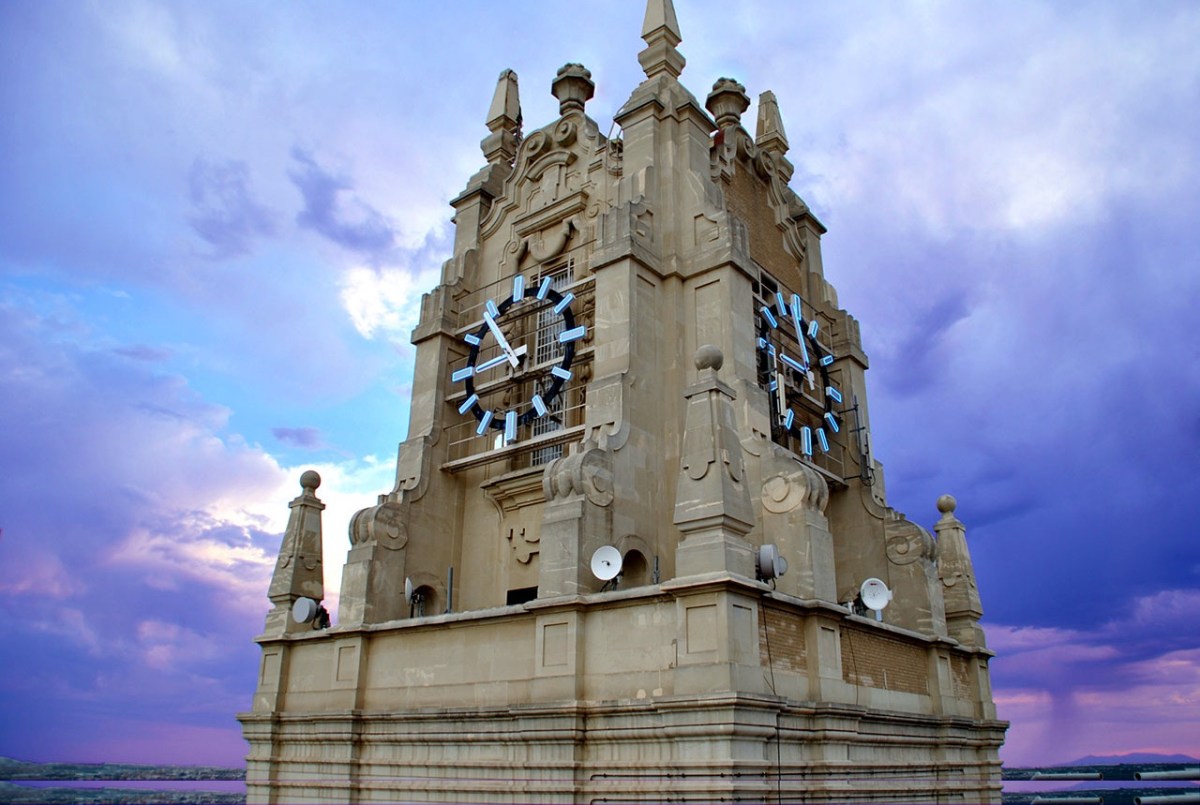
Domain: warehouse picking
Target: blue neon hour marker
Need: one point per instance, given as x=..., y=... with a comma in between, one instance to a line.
x=832, y=420
x=467, y=403
x=510, y=426
x=539, y=405
x=796, y=317
x=813, y=326
x=833, y=394
x=558, y=371
x=518, y=287
x=472, y=339
x=462, y=374
x=562, y=304
x=483, y=423
x=789, y=419
x=827, y=360
x=572, y=335
x=823, y=440
x=792, y=363
x=781, y=304
x=806, y=440
x=544, y=288
x=491, y=308
x=762, y=343
x=770, y=317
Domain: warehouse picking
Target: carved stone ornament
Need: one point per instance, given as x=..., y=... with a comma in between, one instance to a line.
x=907, y=542
x=803, y=487
x=524, y=545
x=587, y=472
x=383, y=524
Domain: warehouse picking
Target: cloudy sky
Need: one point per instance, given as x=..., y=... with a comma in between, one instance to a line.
x=217, y=220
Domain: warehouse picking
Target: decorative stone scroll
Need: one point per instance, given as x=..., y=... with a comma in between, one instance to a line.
x=587, y=472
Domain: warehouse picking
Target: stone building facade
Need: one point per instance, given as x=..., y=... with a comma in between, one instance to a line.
x=633, y=348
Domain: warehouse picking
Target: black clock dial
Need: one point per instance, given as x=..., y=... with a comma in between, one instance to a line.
x=548, y=315
x=788, y=345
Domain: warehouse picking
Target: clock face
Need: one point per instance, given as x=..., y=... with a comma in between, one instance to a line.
x=530, y=336
x=803, y=399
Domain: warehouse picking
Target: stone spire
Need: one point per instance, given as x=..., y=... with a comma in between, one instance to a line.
x=712, y=499
x=660, y=31
x=769, y=134
x=961, y=593
x=504, y=120
x=298, y=571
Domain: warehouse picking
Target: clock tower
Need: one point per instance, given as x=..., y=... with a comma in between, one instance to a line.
x=638, y=547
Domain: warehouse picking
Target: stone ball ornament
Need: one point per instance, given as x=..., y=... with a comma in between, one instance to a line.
x=310, y=480
x=709, y=357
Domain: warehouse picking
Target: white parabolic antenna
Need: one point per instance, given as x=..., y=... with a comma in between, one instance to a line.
x=606, y=563
x=875, y=594
x=408, y=589
x=304, y=610
x=771, y=564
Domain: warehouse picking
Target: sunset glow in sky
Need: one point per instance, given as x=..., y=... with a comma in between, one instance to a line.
x=217, y=220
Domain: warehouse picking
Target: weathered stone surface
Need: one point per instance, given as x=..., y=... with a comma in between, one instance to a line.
x=514, y=673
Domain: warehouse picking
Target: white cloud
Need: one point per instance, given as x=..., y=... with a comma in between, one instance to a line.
x=385, y=302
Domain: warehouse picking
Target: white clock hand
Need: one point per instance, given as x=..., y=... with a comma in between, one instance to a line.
x=496, y=361
x=510, y=354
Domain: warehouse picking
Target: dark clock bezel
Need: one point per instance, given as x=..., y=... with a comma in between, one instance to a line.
x=552, y=298
x=817, y=352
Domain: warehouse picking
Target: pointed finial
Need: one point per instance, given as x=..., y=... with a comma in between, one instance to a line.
x=504, y=120
x=769, y=135
x=660, y=30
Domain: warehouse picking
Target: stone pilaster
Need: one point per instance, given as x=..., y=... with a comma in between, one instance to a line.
x=912, y=569
x=712, y=500
x=794, y=496
x=373, y=578
x=576, y=520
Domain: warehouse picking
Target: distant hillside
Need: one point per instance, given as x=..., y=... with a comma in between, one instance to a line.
x=1132, y=757
x=12, y=769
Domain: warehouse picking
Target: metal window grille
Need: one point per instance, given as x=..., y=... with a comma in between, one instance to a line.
x=546, y=347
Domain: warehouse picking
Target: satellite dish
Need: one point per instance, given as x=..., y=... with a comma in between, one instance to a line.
x=606, y=563
x=876, y=595
x=770, y=564
x=408, y=588
x=304, y=610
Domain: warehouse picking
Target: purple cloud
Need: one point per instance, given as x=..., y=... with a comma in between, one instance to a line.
x=352, y=224
x=225, y=213
x=132, y=575
x=309, y=438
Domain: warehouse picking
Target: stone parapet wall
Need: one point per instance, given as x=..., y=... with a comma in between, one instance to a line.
x=696, y=692
x=699, y=749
